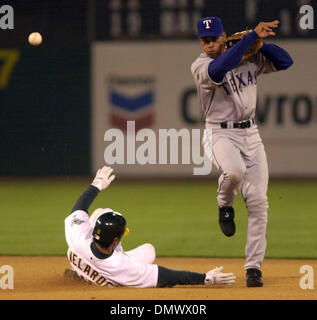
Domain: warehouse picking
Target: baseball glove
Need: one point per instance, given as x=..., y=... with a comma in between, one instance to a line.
x=234, y=38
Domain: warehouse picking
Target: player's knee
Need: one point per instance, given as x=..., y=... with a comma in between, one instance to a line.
x=150, y=251
x=256, y=202
x=236, y=176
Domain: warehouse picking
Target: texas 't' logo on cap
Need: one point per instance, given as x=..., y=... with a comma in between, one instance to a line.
x=207, y=23
x=209, y=27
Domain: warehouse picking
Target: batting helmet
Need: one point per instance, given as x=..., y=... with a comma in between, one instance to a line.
x=108, y=226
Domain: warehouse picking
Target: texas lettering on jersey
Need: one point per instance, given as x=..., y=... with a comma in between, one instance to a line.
x=244, y=79
x=234, y=98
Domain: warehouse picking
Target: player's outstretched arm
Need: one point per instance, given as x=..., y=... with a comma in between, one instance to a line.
x=171, y=277
x=101, y=181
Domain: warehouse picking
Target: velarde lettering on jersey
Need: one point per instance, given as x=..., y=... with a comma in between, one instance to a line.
x=131, y=98
x=239, y=81
x=88, y=270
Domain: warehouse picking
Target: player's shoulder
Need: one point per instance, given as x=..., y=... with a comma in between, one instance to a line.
x=203, y=58
x=76, y=218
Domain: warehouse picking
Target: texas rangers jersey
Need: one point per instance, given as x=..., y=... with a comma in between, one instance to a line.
x=234, y=98
x=117, y=270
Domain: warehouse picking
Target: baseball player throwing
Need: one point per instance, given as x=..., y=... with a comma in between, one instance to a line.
x=96, y=254
x=226, y=85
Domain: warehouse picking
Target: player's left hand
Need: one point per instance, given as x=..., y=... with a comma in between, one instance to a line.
x=103, y=178
x=215, y=276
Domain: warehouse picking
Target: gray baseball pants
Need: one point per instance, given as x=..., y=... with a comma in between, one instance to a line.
x=240, y=157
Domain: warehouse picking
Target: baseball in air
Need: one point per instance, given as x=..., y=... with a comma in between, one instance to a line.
x=35, y=39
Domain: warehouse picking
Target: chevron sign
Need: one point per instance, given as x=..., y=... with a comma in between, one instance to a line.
x=138, y=107
x=132, y=104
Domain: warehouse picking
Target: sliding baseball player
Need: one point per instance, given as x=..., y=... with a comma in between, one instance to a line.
x=96, y=254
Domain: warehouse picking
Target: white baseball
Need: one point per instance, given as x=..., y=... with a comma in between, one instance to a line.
x=35, y=39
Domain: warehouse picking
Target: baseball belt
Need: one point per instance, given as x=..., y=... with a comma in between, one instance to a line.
x=237, y=125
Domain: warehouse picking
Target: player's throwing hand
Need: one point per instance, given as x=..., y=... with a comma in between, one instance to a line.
x=264, y=29
x=215, y=276
x=103, y=178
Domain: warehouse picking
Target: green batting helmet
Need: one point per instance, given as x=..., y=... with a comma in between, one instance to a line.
x=108, y=226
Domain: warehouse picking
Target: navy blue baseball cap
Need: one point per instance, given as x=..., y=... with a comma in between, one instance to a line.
x=209, y=27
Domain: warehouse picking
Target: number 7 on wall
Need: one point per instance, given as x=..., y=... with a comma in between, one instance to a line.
x=9, y=57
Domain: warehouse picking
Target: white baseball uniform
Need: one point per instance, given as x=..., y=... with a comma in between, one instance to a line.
x=237, y=153
x=132, y=268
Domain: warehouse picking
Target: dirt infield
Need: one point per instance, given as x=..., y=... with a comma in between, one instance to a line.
x=42, y=278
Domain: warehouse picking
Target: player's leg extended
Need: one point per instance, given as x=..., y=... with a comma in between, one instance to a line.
x=144, y=253
x=227, y=158
x=253, y=190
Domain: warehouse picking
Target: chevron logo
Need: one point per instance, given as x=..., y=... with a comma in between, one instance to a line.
x=131, y=104
x=140, y=123
x=125, y=108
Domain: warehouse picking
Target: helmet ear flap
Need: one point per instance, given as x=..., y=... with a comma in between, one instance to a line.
x=126, y=231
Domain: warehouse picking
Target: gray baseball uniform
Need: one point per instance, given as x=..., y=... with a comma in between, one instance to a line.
x=237, y=153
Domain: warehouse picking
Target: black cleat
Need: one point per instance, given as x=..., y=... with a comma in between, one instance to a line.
x=254, y=278
x=226, y=221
